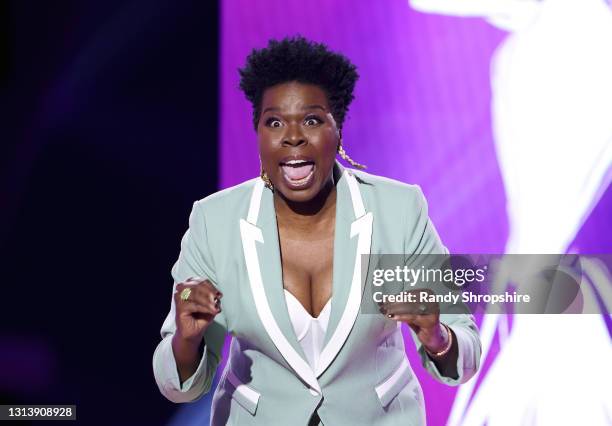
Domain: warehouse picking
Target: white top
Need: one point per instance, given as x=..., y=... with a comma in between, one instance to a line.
x=310, y=331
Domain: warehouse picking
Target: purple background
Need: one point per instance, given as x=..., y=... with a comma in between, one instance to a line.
x=421, y=115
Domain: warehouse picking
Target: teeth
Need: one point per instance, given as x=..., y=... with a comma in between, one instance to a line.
x=294, y=162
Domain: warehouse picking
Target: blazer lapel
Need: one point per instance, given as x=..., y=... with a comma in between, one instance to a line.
x=261, y=249
x=353, y=233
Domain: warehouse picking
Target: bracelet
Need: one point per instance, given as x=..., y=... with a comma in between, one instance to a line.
x=448, y=346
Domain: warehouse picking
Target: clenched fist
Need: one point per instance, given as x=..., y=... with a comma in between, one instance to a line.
x=193, y=316
x=422, y=317
x=196, y=313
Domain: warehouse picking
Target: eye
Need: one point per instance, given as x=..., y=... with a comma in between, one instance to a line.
x=273, y=122
x=313, y=120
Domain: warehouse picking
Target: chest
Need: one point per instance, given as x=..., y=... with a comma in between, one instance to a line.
x=307, y=266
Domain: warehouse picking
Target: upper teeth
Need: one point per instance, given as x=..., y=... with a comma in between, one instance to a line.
x=293, y=162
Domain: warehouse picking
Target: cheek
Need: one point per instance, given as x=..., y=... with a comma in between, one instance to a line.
x=265, y=146
x=269, y=157
x=328, y=143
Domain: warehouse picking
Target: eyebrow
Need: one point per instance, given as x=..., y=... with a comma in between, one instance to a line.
x=307, y=107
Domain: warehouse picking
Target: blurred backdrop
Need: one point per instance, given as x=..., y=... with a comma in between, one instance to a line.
x=109, y=133
x=117, y=115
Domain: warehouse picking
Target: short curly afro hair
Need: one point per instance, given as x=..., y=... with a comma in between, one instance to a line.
x=298, y=59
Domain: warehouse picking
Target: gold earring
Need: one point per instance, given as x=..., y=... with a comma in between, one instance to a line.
x=264, y=176
x=348, y=159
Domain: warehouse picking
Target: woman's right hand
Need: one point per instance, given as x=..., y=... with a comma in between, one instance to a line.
x=194, y=315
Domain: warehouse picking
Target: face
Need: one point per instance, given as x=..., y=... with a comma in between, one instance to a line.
x=298, y=139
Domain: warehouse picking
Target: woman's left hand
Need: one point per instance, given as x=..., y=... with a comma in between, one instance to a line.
x=422, y=317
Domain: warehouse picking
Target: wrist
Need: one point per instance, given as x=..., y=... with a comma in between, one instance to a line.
x=185, y=348
x=440, y=342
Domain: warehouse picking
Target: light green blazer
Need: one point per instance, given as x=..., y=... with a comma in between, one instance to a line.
x=363, y=376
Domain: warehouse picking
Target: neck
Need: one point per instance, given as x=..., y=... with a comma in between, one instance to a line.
x=306, y=216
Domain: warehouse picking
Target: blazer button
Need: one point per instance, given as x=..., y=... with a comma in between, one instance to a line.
x=313, y=392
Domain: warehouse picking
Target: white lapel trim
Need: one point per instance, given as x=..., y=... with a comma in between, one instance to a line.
x=362, y=226
x=255, y=202
x=250, y=233
x=355, y=194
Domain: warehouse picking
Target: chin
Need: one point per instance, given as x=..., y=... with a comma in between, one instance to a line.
x=299, y=195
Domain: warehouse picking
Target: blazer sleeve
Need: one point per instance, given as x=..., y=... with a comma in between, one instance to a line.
x=194, y=260
x=423, y=239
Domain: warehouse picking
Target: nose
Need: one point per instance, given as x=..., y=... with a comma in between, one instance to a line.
x=294, y=136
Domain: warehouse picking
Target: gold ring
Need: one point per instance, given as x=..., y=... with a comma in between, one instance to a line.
x=185, y=294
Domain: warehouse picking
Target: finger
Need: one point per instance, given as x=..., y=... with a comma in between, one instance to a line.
x=183, y=285
x=407, y=318
x=397, y=308
x=411, y=320
x=204, y=295
x=410, y=308
x=389, y=309
x=211, y=303
x=194, y=296
x=193, y=280
x=212, y=288
x=179, y=288
x=203, y=292
x=199, y=281
x=190, y=307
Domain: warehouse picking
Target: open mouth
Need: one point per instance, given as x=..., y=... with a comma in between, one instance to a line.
x=298, y=173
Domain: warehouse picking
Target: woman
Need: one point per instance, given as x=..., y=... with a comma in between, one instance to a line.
x=276, y=261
